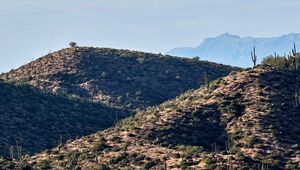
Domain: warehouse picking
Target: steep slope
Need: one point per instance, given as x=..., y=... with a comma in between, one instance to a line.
x=235, y=50
x=39, y=120
x=118, y=78
x=245, y=120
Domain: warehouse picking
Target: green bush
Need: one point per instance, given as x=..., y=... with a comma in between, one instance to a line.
x=277, y=62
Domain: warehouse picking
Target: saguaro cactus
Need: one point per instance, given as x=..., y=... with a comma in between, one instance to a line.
x=297, y=97
x=19, y=150
x=294, y=50
x=11, y=152
x=228, y=146
x=116, y=118
x=206, y=80
x=253, y=56
x=296, y=63
x=97, y=155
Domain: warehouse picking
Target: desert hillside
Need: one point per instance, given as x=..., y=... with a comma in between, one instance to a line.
x=79, y=91
x=100, y=85
x=39, y=120
x=247, y=120
x=118, y=78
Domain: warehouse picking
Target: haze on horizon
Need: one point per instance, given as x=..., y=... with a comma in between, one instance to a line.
x=32, y=28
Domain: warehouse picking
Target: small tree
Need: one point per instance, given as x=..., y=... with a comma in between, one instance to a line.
x=196, y=58
x=73, y=44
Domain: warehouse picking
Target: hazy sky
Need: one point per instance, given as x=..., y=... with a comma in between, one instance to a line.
x=31, y=28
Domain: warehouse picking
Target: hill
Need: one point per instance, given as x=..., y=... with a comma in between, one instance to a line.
x=247, y=120
x=235, y=50
x=118, y=78
x=37, y=120
x=78, y=91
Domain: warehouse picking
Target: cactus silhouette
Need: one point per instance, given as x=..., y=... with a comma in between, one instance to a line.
x=253, y=56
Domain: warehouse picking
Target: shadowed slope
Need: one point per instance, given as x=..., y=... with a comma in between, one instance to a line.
x=39, y=120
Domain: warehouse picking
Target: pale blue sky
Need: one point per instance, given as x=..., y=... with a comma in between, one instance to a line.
x=31, y=28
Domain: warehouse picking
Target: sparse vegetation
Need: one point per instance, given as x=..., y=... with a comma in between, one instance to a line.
x=241, y=125
x=282, y=62
x=246, y=120
x=118, y=78
x=276, y=62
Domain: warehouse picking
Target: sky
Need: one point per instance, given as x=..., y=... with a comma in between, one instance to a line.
x=32, y=28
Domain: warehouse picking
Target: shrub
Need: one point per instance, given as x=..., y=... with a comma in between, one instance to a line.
x=149, y=164
x=196, y=58
x=102, y=167
x=100, y=146
x=277, y=62
x=6, y=164
x=140, y=60
x=43, y=164
x=72, y=44
x=23, y=165
x=175, y=155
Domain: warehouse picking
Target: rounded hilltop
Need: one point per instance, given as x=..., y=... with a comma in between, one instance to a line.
x=118, y=78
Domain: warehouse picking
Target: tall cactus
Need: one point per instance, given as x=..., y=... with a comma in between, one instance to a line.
x=11, y=152
x=297, y=97
x=253, y=56
x=19, y=150
x=116, y=118
x=206, y=80
x=296, y=63
x=294, y=50
x=296, y=59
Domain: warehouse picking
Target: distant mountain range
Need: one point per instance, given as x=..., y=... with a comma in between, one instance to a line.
x=235, y=50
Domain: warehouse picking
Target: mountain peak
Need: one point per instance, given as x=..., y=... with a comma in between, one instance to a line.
x=228, y=35
x=235, y=50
